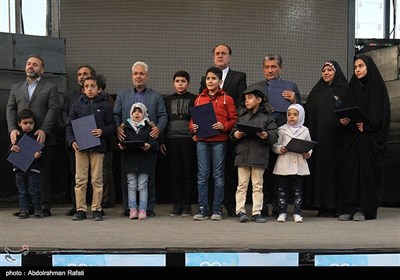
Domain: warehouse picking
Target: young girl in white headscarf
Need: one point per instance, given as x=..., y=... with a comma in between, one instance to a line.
x=137, y=159
x=290, y=167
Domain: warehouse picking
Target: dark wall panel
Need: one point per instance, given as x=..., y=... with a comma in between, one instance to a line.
x=178, y=34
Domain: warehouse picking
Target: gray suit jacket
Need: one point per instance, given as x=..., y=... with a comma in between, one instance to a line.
x=44, y=104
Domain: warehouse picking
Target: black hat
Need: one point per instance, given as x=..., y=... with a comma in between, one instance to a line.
x=256, y=90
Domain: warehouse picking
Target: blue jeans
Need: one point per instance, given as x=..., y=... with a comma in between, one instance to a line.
x=28, y=185
x=211, y=154
x=137, y=182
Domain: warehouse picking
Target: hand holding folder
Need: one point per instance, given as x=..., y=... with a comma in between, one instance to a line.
x=353, y=113
x=250, y=130
x=24, y=158
x=83, y=132
x=204, y=117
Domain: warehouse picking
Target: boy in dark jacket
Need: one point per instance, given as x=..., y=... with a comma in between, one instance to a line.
x=179, y=145
x=137, y=161
x=252, y=151
x=28, y=183
x=90, y=103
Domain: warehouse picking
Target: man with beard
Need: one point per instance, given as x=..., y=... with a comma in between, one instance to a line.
x=41, y=97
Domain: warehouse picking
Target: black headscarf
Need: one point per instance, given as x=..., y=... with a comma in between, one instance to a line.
x=338, y=86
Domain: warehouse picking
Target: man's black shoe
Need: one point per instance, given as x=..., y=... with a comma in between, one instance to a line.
x=150, y=213
x=46, y=212
x=70, y=212
x=176, y=211
x=125, y=213
x=102, y=212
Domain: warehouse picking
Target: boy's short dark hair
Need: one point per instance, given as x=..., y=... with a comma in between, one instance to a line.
x=183, y=74
x=216, y=71
x=92, y=78
x=25, y=114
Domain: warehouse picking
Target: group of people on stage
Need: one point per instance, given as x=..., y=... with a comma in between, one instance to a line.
x=342, y=176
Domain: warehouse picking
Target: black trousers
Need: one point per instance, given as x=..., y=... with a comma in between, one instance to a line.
x=181, y=153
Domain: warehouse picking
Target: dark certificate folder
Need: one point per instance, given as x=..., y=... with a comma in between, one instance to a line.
x=300, y=146
x=250, y=130
x=83, y=132
x=204, y=117
x=26, y=155
x=275, y=98
x=132, y=145
x=353, y=113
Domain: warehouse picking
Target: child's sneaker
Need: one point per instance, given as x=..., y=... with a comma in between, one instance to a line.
x=38, y=214
x=79, y=216
x=242, y=217
x=281, y=218
x=142, y=215
x=97, y=216
x=133, y=214
x=23, y=214
x=201, y=214
x=297, y=218
x=258, y=218
x=217, y=216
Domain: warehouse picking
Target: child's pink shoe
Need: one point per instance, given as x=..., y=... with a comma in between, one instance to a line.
x=142, y=215
x=133, y=214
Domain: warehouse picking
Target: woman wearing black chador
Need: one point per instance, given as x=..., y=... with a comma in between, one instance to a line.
x=363, y=144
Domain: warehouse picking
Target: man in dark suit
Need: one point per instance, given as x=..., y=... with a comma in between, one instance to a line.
x=234, y=83
x=41, y=97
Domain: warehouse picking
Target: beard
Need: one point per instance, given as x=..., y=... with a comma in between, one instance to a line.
x=32, y=74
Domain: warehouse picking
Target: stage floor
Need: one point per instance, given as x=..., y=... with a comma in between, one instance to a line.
x=161, y=233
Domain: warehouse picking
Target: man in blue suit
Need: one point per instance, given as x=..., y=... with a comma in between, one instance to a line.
x=280, y=94
x=157, y=114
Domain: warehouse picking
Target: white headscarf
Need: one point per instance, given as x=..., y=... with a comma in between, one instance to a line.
x=138, y=125
x=295, y=127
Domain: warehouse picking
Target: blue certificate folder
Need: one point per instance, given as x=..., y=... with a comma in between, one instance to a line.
x=204, y=117
x=24, y=158
x=275, y=98
x=82, y=131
